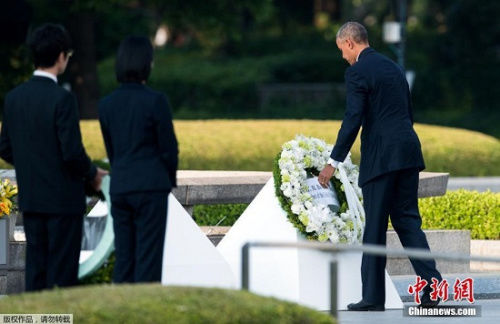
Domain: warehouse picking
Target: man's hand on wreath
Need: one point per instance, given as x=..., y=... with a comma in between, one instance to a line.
x=325, y=175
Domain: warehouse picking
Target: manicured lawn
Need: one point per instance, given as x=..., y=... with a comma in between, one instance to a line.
x=158, y=304
x=253, y=144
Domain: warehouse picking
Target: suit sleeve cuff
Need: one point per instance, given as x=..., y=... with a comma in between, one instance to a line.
x=333, y=163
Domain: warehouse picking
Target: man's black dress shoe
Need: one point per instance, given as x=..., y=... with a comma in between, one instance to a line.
x=363, y=306
x=427, y=302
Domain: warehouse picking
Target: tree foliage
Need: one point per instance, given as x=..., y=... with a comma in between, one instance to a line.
x=451, y=44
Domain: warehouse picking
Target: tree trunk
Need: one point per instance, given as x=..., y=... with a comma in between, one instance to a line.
x=83, y=65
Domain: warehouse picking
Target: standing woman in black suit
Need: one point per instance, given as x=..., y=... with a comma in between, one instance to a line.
x=136, y=124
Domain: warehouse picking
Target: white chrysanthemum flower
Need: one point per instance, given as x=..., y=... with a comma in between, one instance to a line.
x=297, y=208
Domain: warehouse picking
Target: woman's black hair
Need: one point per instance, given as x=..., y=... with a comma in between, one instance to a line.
x=133, y=60
x=47, y=42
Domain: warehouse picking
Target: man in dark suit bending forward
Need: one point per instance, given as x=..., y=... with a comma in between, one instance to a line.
x=378, y=98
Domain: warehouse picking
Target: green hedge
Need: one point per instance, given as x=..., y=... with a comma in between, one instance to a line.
x=201, y=86
x=478, y=212
x=153, y=303
x=220, y=215
x=462, y=209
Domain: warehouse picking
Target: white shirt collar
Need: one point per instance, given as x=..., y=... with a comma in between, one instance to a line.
x=45, y=74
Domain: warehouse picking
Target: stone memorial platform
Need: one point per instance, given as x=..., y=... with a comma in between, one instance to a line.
x=195, y=188
x=238, y=187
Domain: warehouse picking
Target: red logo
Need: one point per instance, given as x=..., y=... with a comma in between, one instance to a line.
x=439, y=290
x=417, y=288
x=462, y=289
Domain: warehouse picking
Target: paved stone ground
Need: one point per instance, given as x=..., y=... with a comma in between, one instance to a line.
x=475, y=183
x=490, y=314
x=486, y=292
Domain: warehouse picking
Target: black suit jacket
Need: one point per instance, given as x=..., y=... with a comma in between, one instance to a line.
x=41, y=138
x=136, y=124
x=378, y=98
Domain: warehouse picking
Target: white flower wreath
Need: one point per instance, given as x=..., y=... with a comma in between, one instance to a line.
x=307, y=156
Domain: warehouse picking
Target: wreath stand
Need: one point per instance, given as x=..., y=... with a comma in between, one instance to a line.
x=296, y=275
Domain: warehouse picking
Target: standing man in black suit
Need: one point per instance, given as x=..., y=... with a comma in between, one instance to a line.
x=378, y=98
x=41, y=138
x=136, y=124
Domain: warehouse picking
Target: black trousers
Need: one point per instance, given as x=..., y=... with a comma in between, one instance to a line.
x=139, y=222
x=53, y=244
x=393, y=194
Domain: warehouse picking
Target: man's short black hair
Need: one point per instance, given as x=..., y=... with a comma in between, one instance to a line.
x=47, y=42
x=134, y=58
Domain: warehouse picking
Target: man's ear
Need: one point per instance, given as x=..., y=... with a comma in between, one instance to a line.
x=61, y=58
x=350, y=43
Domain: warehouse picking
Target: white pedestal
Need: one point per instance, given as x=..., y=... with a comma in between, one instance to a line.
x=301, y=276
x=189, y=258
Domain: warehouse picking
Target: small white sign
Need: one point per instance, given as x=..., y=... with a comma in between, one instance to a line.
x=324, y=196
x=391, y=32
